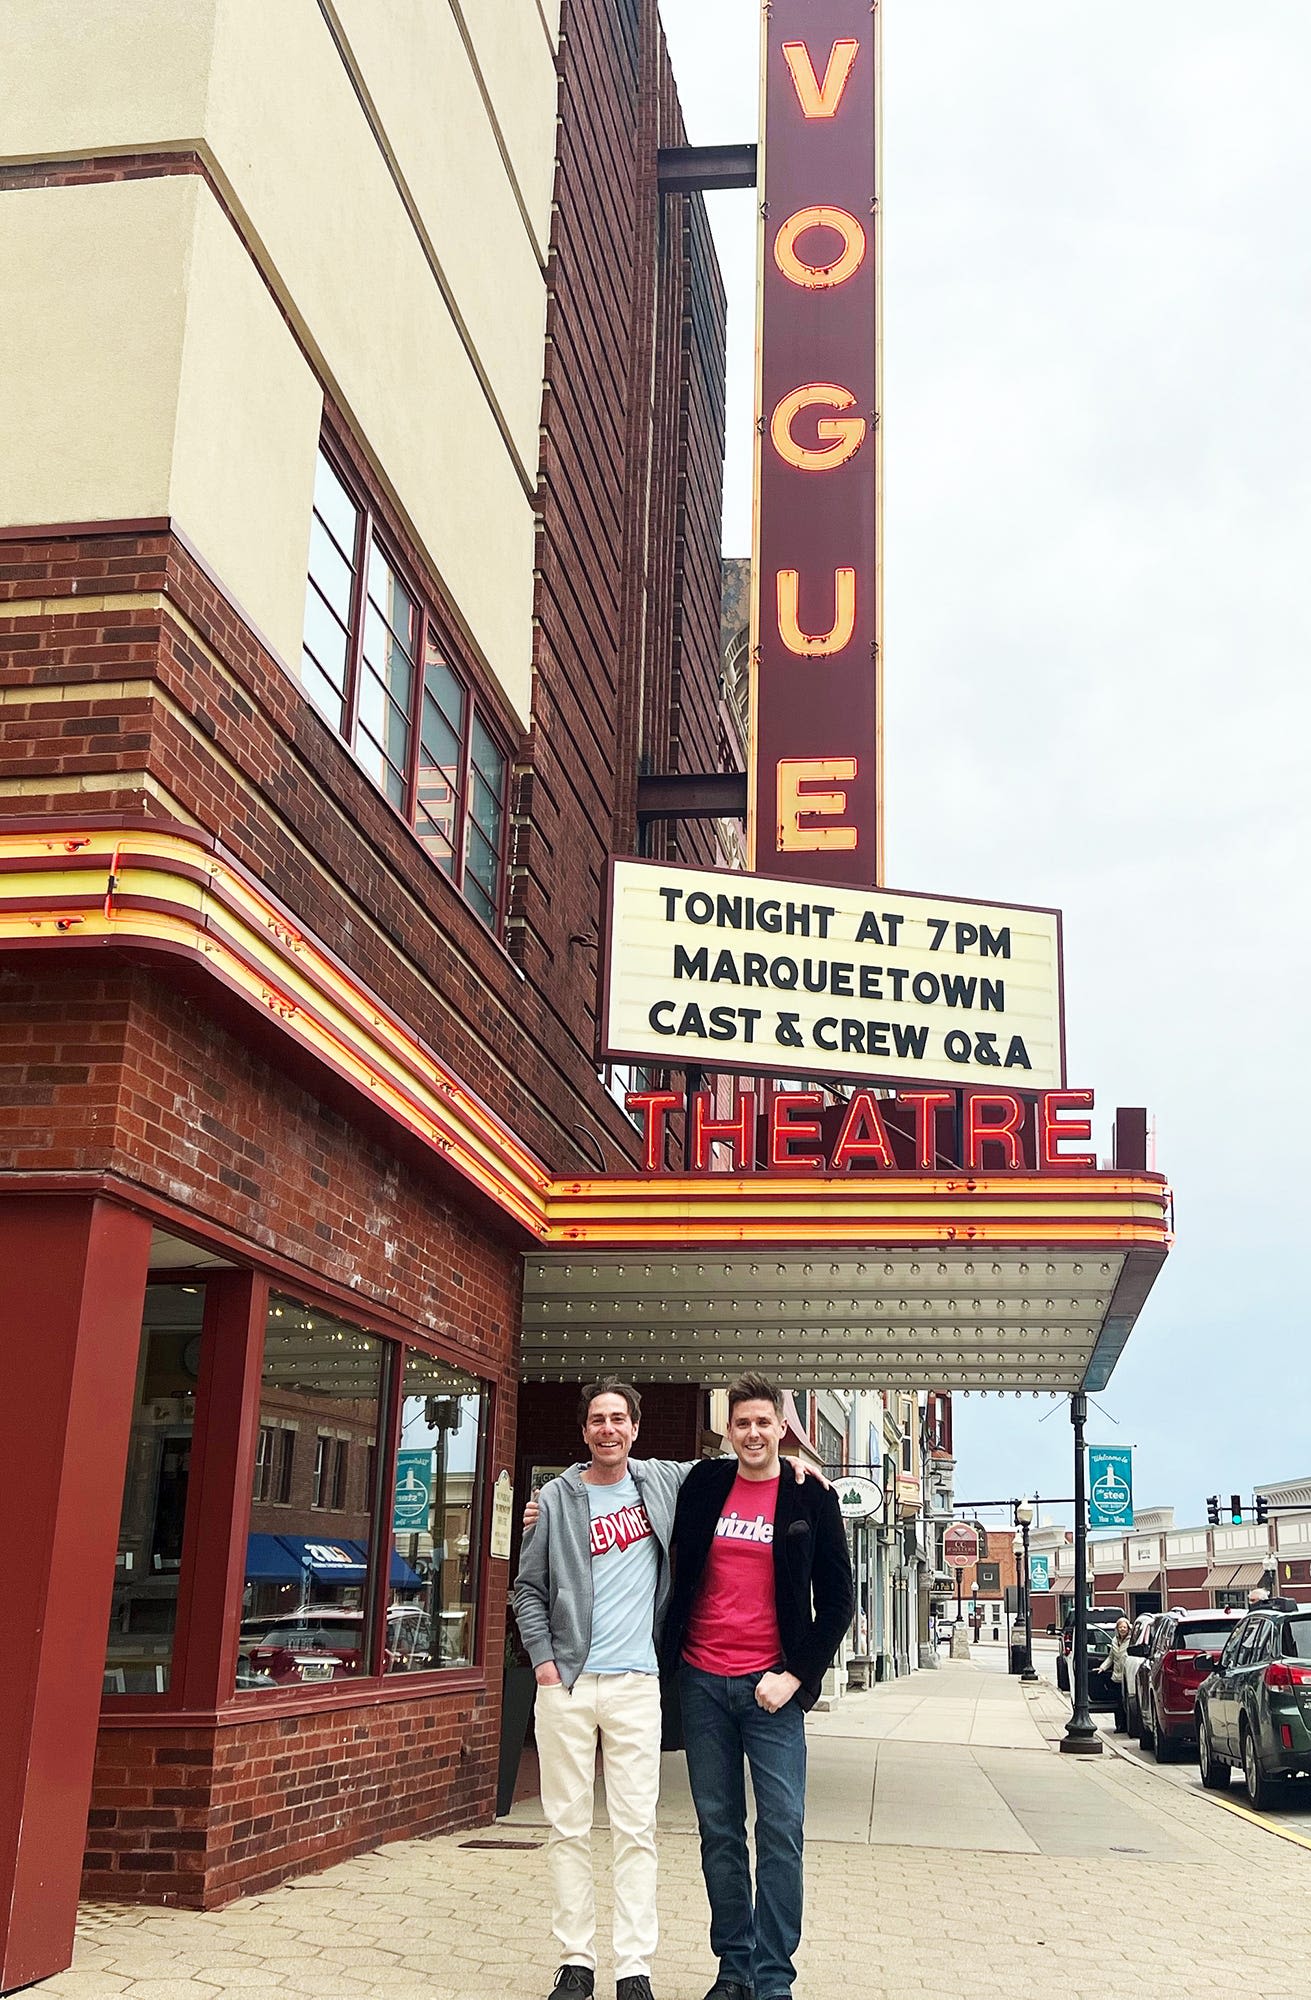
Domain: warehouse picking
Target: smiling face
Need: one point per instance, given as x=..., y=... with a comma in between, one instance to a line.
x=755, y=1431
x=608, y=1432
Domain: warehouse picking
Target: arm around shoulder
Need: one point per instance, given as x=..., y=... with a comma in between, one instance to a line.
x=531, y=1594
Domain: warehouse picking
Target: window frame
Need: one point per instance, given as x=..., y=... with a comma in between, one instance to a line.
x=432, y=628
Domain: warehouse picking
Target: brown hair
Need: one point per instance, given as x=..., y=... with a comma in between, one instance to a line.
x=609, y=1385
x=754, y=1389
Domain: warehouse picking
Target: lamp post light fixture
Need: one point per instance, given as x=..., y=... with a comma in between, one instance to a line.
x=1023, y=1521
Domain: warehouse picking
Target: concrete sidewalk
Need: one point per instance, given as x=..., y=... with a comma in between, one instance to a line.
x=951, y=1853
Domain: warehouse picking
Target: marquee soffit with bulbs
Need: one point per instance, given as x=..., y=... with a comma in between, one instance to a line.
x=997, y=1280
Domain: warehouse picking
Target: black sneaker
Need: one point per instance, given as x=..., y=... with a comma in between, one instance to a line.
x=573, y=1982
x=636, y=1987
x=729, y=1989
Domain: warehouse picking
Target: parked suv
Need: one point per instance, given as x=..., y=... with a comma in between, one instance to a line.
x=1255, y=1710
x=1140, y=1647
x=1186, y=1647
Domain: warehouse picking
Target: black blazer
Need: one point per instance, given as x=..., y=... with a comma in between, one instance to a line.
x=813, y=1591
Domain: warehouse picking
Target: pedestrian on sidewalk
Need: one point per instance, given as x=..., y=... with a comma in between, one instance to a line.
x=762, y=1596
x=590, y=1601
x=1117, y=1660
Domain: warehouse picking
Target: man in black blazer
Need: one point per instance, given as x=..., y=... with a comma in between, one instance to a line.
x=762, y=1594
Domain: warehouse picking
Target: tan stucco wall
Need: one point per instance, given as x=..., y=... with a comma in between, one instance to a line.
x=150, y=373
x=433, y=350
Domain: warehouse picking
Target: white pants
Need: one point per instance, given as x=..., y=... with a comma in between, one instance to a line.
x=624, y=1710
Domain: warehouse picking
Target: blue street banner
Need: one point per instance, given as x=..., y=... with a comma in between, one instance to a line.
x=412, y=1512
x=1110, y=1486
x=1039, y=1573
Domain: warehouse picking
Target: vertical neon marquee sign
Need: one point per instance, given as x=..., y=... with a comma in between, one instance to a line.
x=814, y=786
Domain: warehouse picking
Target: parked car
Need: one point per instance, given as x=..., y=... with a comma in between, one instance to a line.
x=325, y=1642
x=1186, y=1647
x=1101, y=1625
x=1140, y=1646
x=1254, y=1712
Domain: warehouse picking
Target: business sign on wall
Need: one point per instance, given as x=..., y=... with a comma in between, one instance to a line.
x=724, y=971
x=814, y=804
x=1110, y=1486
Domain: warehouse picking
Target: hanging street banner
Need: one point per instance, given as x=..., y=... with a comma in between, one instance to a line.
x=1110, y=1486
x=1039, y=1573
x=709, y=969
x=813, y=786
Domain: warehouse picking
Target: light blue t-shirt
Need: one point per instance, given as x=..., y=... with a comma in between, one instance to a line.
x=625, y=1565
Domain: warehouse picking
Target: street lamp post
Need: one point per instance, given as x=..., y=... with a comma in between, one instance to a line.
x=1024, y=1520
x=1080, y=1738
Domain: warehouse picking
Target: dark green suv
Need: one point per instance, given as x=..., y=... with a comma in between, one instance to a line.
x=1254, y=1712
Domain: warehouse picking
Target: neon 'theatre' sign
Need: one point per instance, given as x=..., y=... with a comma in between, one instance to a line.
x=814, y=792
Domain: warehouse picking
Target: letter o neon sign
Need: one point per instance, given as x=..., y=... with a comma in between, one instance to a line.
x=819, y=277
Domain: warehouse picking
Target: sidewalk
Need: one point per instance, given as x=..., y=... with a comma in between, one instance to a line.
x=951, y=1852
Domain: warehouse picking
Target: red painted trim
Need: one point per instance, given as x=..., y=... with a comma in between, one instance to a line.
x=222, y=1469
x=367, y=1691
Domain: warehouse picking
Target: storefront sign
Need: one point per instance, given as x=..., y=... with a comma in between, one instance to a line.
x=726, y=971
x=813, y=788
x=858, y=1499
x=960, y=1545
x=1110, y=1486
x=502, y=1516
x=412, y=1510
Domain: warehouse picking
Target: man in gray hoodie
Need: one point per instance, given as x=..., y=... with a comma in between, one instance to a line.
x=590, y=1599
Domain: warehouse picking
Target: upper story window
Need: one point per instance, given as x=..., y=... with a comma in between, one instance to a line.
x=377, y=669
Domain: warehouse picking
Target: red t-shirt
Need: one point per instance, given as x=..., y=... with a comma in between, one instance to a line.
x=733, y=1627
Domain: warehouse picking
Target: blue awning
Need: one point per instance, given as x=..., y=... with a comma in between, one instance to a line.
x=291, y=1558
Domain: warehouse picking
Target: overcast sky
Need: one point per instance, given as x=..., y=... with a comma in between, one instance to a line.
x=1097, y=436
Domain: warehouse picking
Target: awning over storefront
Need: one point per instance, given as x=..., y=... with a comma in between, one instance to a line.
x=1141, y=1580
x=291, y=1558
x=993, y=1282
x=1245, y=1576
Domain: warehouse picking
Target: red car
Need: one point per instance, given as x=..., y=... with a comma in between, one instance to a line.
x=1186, y=1647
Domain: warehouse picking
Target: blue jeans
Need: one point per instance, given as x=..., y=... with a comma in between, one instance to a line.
x=753, y=1940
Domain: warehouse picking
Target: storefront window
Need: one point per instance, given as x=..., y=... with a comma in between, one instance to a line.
x=436, y=1518
x=139, y=1650
x=305, y=1612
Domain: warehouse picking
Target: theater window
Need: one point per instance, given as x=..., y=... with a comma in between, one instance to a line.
x=380, y=671
x=331, y=1591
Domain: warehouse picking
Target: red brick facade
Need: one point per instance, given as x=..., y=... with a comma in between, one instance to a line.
x=130, y=684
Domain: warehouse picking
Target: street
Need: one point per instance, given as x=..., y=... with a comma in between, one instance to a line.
x=1292, y=1819
x=951, y=1851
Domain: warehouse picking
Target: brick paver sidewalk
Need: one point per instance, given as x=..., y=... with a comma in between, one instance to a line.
x=1228, y=1912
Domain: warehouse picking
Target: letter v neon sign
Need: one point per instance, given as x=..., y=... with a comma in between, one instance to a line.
x=820, y=100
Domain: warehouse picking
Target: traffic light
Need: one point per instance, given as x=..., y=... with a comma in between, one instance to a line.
x=1213, y=1510
x=1236, y=1509
x=1262, y=1507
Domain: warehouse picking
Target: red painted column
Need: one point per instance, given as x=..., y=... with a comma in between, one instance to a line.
x=74, y=1282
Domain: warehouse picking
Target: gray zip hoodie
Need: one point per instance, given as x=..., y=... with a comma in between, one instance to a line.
x=553, y=1590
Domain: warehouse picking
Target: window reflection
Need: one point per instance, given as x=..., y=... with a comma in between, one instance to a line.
x=143, y=1614
x=436, y=1517
x=306, y=1602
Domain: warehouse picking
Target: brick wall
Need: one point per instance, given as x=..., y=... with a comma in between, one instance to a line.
x=197, y=1816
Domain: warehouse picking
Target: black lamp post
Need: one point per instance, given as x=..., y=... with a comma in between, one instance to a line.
x=1080, y=1737
x=1024, y=1520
